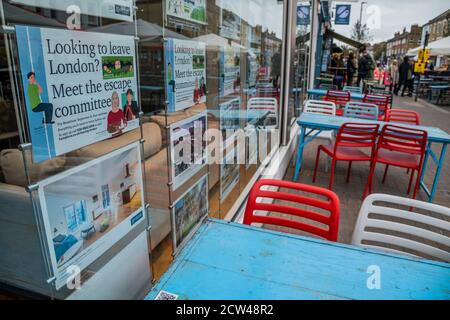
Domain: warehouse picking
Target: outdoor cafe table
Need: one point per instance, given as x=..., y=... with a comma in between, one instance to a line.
x=316, y=123
x=225, y=260
x=323, y=93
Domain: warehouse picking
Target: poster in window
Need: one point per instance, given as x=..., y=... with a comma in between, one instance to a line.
x=230, y=118
x=189, y=210
x=100, y=100
x=230, y=26
x=78, y=230
x=185, y=73
x=113, y=9
x=190, y=10
x=230, y=77
x=229, y=173
x=187, y=148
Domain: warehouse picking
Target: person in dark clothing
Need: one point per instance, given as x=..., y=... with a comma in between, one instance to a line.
x=364, y=67
x=405, y=77
x=337, y=68
x=351, y=69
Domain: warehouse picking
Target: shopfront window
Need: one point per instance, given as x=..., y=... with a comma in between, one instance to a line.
x=118, y=111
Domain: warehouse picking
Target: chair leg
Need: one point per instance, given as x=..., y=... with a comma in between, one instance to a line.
x=368, y=187
x=349, y=170
x=410, y=181
x=385, y=174
x=317, y=164
x=416, y=187
x=333, y=167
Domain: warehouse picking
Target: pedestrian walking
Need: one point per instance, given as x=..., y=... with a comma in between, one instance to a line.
x=393, y=73
x=351, y=69
x=405, y=73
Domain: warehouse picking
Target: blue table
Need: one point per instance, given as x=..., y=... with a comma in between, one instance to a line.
x=317, y=123
x=323, y=93
x=233, y=261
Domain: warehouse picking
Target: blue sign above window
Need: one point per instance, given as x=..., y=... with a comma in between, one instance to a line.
x=342, y=14
x=303, y=13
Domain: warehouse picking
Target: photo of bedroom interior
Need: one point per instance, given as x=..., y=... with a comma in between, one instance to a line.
x=85, y=205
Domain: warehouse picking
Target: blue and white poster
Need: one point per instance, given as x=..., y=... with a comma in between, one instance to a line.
x=79, y=88
x=342, y=14
x=230, y=69
x=185, y=73
x=303, y=13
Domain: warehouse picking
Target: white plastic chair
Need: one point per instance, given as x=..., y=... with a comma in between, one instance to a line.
x=321, y=107
x=382, y=237
x=325, y=108
x=265, y=104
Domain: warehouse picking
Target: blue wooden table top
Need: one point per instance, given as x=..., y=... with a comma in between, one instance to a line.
x=233, y=261
x=323, y=92
x=335, y=122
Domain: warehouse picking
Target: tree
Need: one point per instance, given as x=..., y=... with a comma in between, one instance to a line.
x=379, y=50
x=361, y=32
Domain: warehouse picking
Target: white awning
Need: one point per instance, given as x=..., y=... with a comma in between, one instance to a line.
x=437, y=48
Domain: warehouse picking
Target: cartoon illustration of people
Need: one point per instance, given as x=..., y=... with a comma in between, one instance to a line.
x=131, y=106
x=34, y=92
x=116, y=118
x=203, y=86
x=197, y=92
x=171, y=82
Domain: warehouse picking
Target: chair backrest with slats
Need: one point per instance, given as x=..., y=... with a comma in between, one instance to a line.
x=403, y=116
x=403, y=139
x=327, y=86
x=361, y=110
x=382, y=101
x=352, y=89
x=357, y=135
x=382, y=224
x=320, y=107
x=264, y=104
x=330, y=205
x=338, y=97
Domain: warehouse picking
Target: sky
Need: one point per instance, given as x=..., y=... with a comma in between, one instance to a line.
x=394, y=15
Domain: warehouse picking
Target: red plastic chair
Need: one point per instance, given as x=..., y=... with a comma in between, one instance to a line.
x=401, y=147
x=331, y=204
x=381, y=100
x=403, y=116
x=340, y=98
x=351, y=140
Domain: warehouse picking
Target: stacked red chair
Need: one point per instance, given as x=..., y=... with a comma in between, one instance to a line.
x=340, y=99
x=381, y=100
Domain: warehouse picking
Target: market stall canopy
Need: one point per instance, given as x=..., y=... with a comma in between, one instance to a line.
x=214, y=40
x=330, y=33
x=437, y=48
x=146, y=31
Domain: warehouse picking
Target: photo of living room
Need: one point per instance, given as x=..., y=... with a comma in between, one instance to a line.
x=84, y=205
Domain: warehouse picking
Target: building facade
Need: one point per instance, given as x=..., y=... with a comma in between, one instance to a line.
x=398, y=46
x=438, y=27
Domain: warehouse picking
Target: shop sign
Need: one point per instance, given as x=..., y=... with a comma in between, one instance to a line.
x=342, y=14
x=303, y=15
x=79, y=87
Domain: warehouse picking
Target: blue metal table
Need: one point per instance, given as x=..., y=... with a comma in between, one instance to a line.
x=323, y=93
x=233, y=261
x=317, y=123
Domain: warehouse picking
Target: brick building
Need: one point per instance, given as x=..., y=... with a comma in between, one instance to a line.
x=399, y=45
